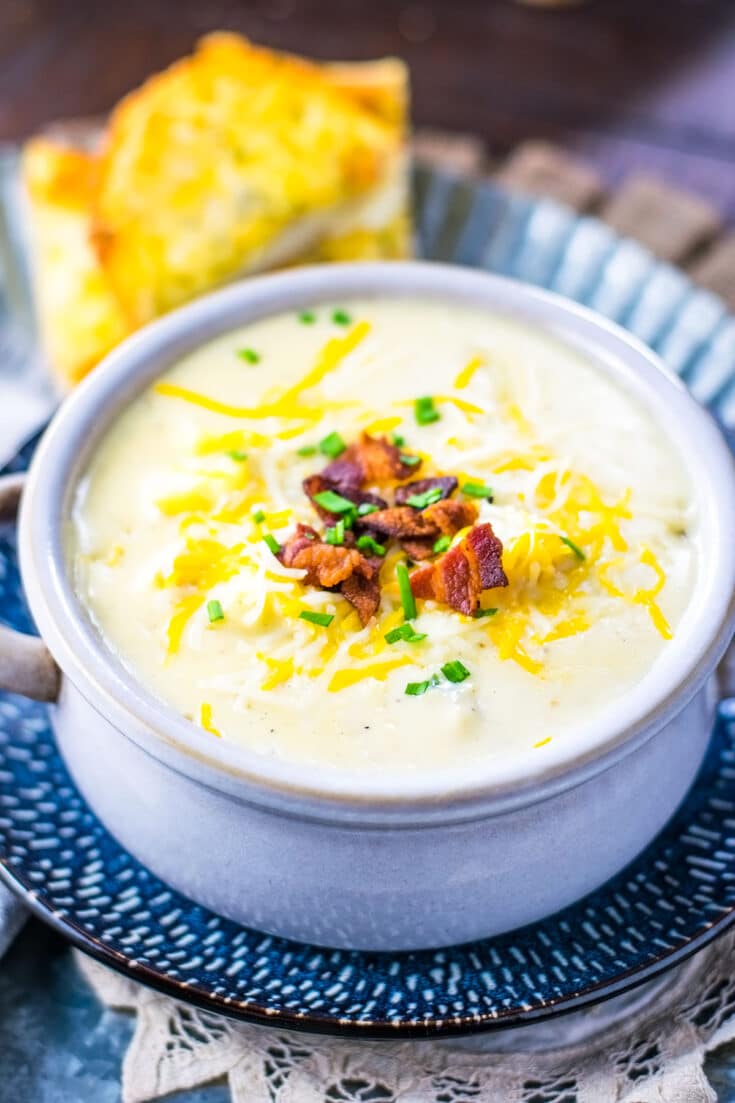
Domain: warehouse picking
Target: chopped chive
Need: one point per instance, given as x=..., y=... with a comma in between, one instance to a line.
x=336, y=534
x=332, y=446
x=214, y=611
x=574, y=547
x=421, y=501
x=258, y=516
x=307, y=317
x=366, y=543
x=404, y=585
x=404, y=632
x=365, y=508
x=341, y=317
x=455, y=671
x=272, y=543
x=236, y=454
x=478, y=490
x=442, y=544
x=307, y=450
x=425, y=411
x=333, y=502
x=410, y=461
x=398, y=440
x=250, y=355
x=322, y=619
x=416, y=689
x=478, y=613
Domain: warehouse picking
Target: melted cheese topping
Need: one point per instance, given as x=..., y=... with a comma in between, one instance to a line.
x=590, y=500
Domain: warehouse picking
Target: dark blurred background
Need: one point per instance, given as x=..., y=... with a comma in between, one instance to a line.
x=630, y=84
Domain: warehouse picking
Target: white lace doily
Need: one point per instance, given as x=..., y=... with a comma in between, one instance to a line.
x=653, y=1051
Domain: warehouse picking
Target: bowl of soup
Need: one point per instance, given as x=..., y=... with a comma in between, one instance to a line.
x=386, y=599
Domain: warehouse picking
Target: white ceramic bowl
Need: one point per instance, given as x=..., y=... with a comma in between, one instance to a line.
x=333, y=856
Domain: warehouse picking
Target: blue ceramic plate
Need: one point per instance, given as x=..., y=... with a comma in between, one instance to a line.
x=671, y=901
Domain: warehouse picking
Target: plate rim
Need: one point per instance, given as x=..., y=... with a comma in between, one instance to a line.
x=365, y=1029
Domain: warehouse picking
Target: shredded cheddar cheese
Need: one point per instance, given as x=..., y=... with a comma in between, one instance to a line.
x=464, y=378
x=205, y=719
x=341, y=679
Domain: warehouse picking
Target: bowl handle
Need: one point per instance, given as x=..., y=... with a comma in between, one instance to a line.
x=26, y=664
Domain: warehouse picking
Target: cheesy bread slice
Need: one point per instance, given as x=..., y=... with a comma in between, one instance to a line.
x=232, y=161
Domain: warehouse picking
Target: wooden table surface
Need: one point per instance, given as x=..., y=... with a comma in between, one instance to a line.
x=632, y=84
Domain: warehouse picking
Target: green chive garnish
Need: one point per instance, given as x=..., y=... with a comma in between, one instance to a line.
x=416, y=689
x=478, y=613
x=272, y=543
x=365, y=508
x=307, y=317
x=411, y=461
x=366, y=543
x=341, y=317
x=335, y=535
x=307, y=450
x=322, y=619
x=478, y=490
x=398, y=440
x=258, y=516
x=250, y=355
x=236, y=454
x=442, y=544
x=455, y=671
x=332, y=446
x=574, y=547
x=404, y=585
x=421, y=501
x=214, y=611
x=425, y=411
x=404, y=632
x=333, y=502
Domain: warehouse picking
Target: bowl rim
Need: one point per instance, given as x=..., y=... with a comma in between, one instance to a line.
x=117, y=694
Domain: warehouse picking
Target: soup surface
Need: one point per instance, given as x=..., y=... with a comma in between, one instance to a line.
x=393, y=632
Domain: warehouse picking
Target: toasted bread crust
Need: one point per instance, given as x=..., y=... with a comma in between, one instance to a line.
x=232, y=160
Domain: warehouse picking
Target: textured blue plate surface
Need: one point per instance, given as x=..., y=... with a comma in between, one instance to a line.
x=671, y=901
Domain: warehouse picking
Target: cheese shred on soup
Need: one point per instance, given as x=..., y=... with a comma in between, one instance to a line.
x=386, y=535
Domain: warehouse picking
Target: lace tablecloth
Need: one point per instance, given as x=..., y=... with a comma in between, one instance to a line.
x=654, y=1053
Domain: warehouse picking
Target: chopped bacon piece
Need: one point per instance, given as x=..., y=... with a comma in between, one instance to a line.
x=363, y=592
x=446, y=517
x=458, y=577
x=418, y=548
x=451, y=515
x=376, y=458
x=401, y=521
x=343, y=475
x=446, y=483
x=485, y=553
x=304, y=536
x=325, y=564
x=331, y=566
x=316, y=484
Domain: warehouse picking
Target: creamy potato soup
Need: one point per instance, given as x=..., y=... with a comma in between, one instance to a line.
x=386, y=534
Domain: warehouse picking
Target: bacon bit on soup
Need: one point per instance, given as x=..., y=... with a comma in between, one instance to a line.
x=330, y=567
x=417, y=530
x=447, y=484
x=448, y=516
x=401, y=522
x=377, y=460
x=458, y=578
x=363, y=592
x=316, y=485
